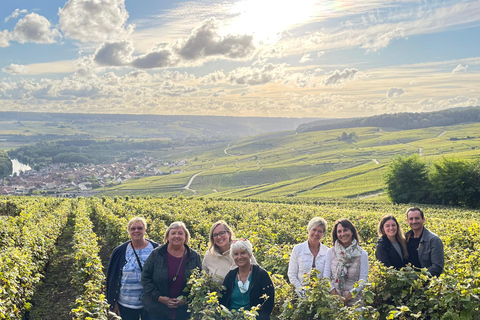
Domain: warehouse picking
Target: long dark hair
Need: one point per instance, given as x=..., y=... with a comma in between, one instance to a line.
x=346, y=224
x=399, y=236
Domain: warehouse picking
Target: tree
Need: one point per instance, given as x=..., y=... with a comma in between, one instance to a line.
x=407, y=180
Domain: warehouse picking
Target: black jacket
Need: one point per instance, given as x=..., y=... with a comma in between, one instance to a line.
x=114, y=271
x=388, y=255
x=155, y=281
x=261, y=284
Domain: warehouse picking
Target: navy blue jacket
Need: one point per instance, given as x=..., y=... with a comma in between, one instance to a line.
x=388, y=255
x=114, y=271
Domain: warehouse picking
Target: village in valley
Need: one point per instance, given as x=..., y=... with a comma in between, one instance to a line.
x=72, y=180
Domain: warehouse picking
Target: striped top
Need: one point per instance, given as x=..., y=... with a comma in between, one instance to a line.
x=131, y=290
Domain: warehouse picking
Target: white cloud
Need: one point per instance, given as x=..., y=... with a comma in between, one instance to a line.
x=114, y=53
x=4, y=36
x=213, y=78
x=15, y=69
x=395, y=92
x=382, y=40
x=34, y=28
x=340, y=76
x=15, y=14
x=161, y=56
x=306, y=58
x=460, y=68
x=94, y=21
x=255, y=76
x=206, y=41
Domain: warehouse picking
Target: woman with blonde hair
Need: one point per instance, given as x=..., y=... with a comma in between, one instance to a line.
x=391, y=244
x=218, y=261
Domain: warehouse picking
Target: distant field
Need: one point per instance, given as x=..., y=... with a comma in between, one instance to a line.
x=313, y=165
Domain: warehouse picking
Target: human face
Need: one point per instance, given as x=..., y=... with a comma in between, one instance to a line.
x=176, y=237
x=221, y=238
x=241, y=258
x=344, y=235
x=390, y=228
x=415, y=221
x=316, y=234
x=137, y=231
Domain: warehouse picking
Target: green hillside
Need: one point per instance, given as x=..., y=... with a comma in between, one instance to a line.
x=309, y=165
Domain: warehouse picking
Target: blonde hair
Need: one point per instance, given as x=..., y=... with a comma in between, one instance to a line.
x=135, y=220
x=176, y=225
x=316, y=222
x=227, y=228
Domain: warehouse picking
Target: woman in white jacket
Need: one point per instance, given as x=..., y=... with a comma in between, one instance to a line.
x=217, y=260
x=308, y=255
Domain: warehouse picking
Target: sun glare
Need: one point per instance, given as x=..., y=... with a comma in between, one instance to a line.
x=267, y=19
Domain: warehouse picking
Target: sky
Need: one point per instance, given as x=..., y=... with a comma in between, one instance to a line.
x=269, y=58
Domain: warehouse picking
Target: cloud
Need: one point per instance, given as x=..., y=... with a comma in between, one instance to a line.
x=206, y=41
x=395, y=92
x=213, y=78
x=161, y=56
x=382, y=40
x=34, y=28
x=94, y=21
x=338, y=77
x=114, y=53
x=305, y=58
x=255, y=76
x=4, y=36
x=460, y=68
x=15, y=69
x=15, y=14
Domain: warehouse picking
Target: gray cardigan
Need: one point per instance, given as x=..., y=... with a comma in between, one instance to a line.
x=430, y=252
x=155, y=280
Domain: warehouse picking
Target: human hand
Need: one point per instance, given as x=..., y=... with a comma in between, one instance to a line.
x=116, y=310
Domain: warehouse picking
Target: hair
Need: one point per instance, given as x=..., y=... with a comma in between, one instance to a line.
x=346, y=224
x=227, y=228
x=316, y=222
x=242, y=244
x=135, y=220
x=176, y=225
x=415, y=209
x=399, y=236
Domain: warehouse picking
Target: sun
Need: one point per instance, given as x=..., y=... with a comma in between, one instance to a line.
x=267, y=19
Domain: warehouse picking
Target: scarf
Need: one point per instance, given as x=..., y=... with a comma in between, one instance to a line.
x=345, y=258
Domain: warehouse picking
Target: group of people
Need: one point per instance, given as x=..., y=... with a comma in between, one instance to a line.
x=146, y=280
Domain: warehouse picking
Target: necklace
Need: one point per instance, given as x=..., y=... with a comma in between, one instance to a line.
x=179, y=266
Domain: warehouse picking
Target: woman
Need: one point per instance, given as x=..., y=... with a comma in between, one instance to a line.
x=124, y=290
x=246, y=284
x=217, y=260
x=391, y=244
x=308, y=255
x=346, y=263
x=165, y=275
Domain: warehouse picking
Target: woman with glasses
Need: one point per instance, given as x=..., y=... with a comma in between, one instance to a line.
x=247, y=285
x=124, y=288
x=217, y=260
x=308, y=255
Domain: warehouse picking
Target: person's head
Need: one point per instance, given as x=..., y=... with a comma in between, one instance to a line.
x=221, y=235
x=241, y=252
x=345, y=232
x=415, y=218
x=177, y=233
x=389, y=227
x=137, y=227
x=316, y=229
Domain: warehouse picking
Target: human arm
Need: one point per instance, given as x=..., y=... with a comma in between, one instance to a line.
x=437, y=257
x=269, y=290
x=327, y=271
x=293, y=269
x=382, y=255
x=149, y=286
x=363, y=277
x=204, y=262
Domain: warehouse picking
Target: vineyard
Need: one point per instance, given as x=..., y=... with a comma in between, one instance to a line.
x=30, y=229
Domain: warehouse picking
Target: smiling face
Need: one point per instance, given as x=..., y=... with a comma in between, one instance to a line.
x=137, y=231
x=390, y=228
x=176, y=237
x=241, y=258
x=344, y=235
x=316, y=234
x=415, y=220
x=221, y=238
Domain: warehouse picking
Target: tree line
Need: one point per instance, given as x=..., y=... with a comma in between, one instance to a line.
x=448, y=181
x=5, y=164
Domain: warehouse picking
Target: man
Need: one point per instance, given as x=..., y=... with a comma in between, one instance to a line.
x=425, y=249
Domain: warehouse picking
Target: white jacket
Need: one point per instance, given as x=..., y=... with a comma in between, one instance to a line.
x=301, y=262
x=219, y=264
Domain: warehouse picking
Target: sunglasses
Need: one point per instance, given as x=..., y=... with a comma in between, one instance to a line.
x=136, y=228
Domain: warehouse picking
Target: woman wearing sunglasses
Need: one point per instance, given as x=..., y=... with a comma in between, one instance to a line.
x=247, y=285
x=217, y=260
x=124, y=273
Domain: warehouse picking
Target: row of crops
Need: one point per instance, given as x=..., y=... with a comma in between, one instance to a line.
x=30, y=226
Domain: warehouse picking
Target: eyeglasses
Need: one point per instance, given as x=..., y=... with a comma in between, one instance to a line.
x=221, y=233
x=136, y=228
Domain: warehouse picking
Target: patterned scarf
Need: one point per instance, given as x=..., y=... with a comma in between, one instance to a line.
x=345, y=258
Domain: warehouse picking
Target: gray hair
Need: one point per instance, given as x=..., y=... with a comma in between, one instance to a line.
x=241, y=245
x=315, y=222
x=176, y=225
